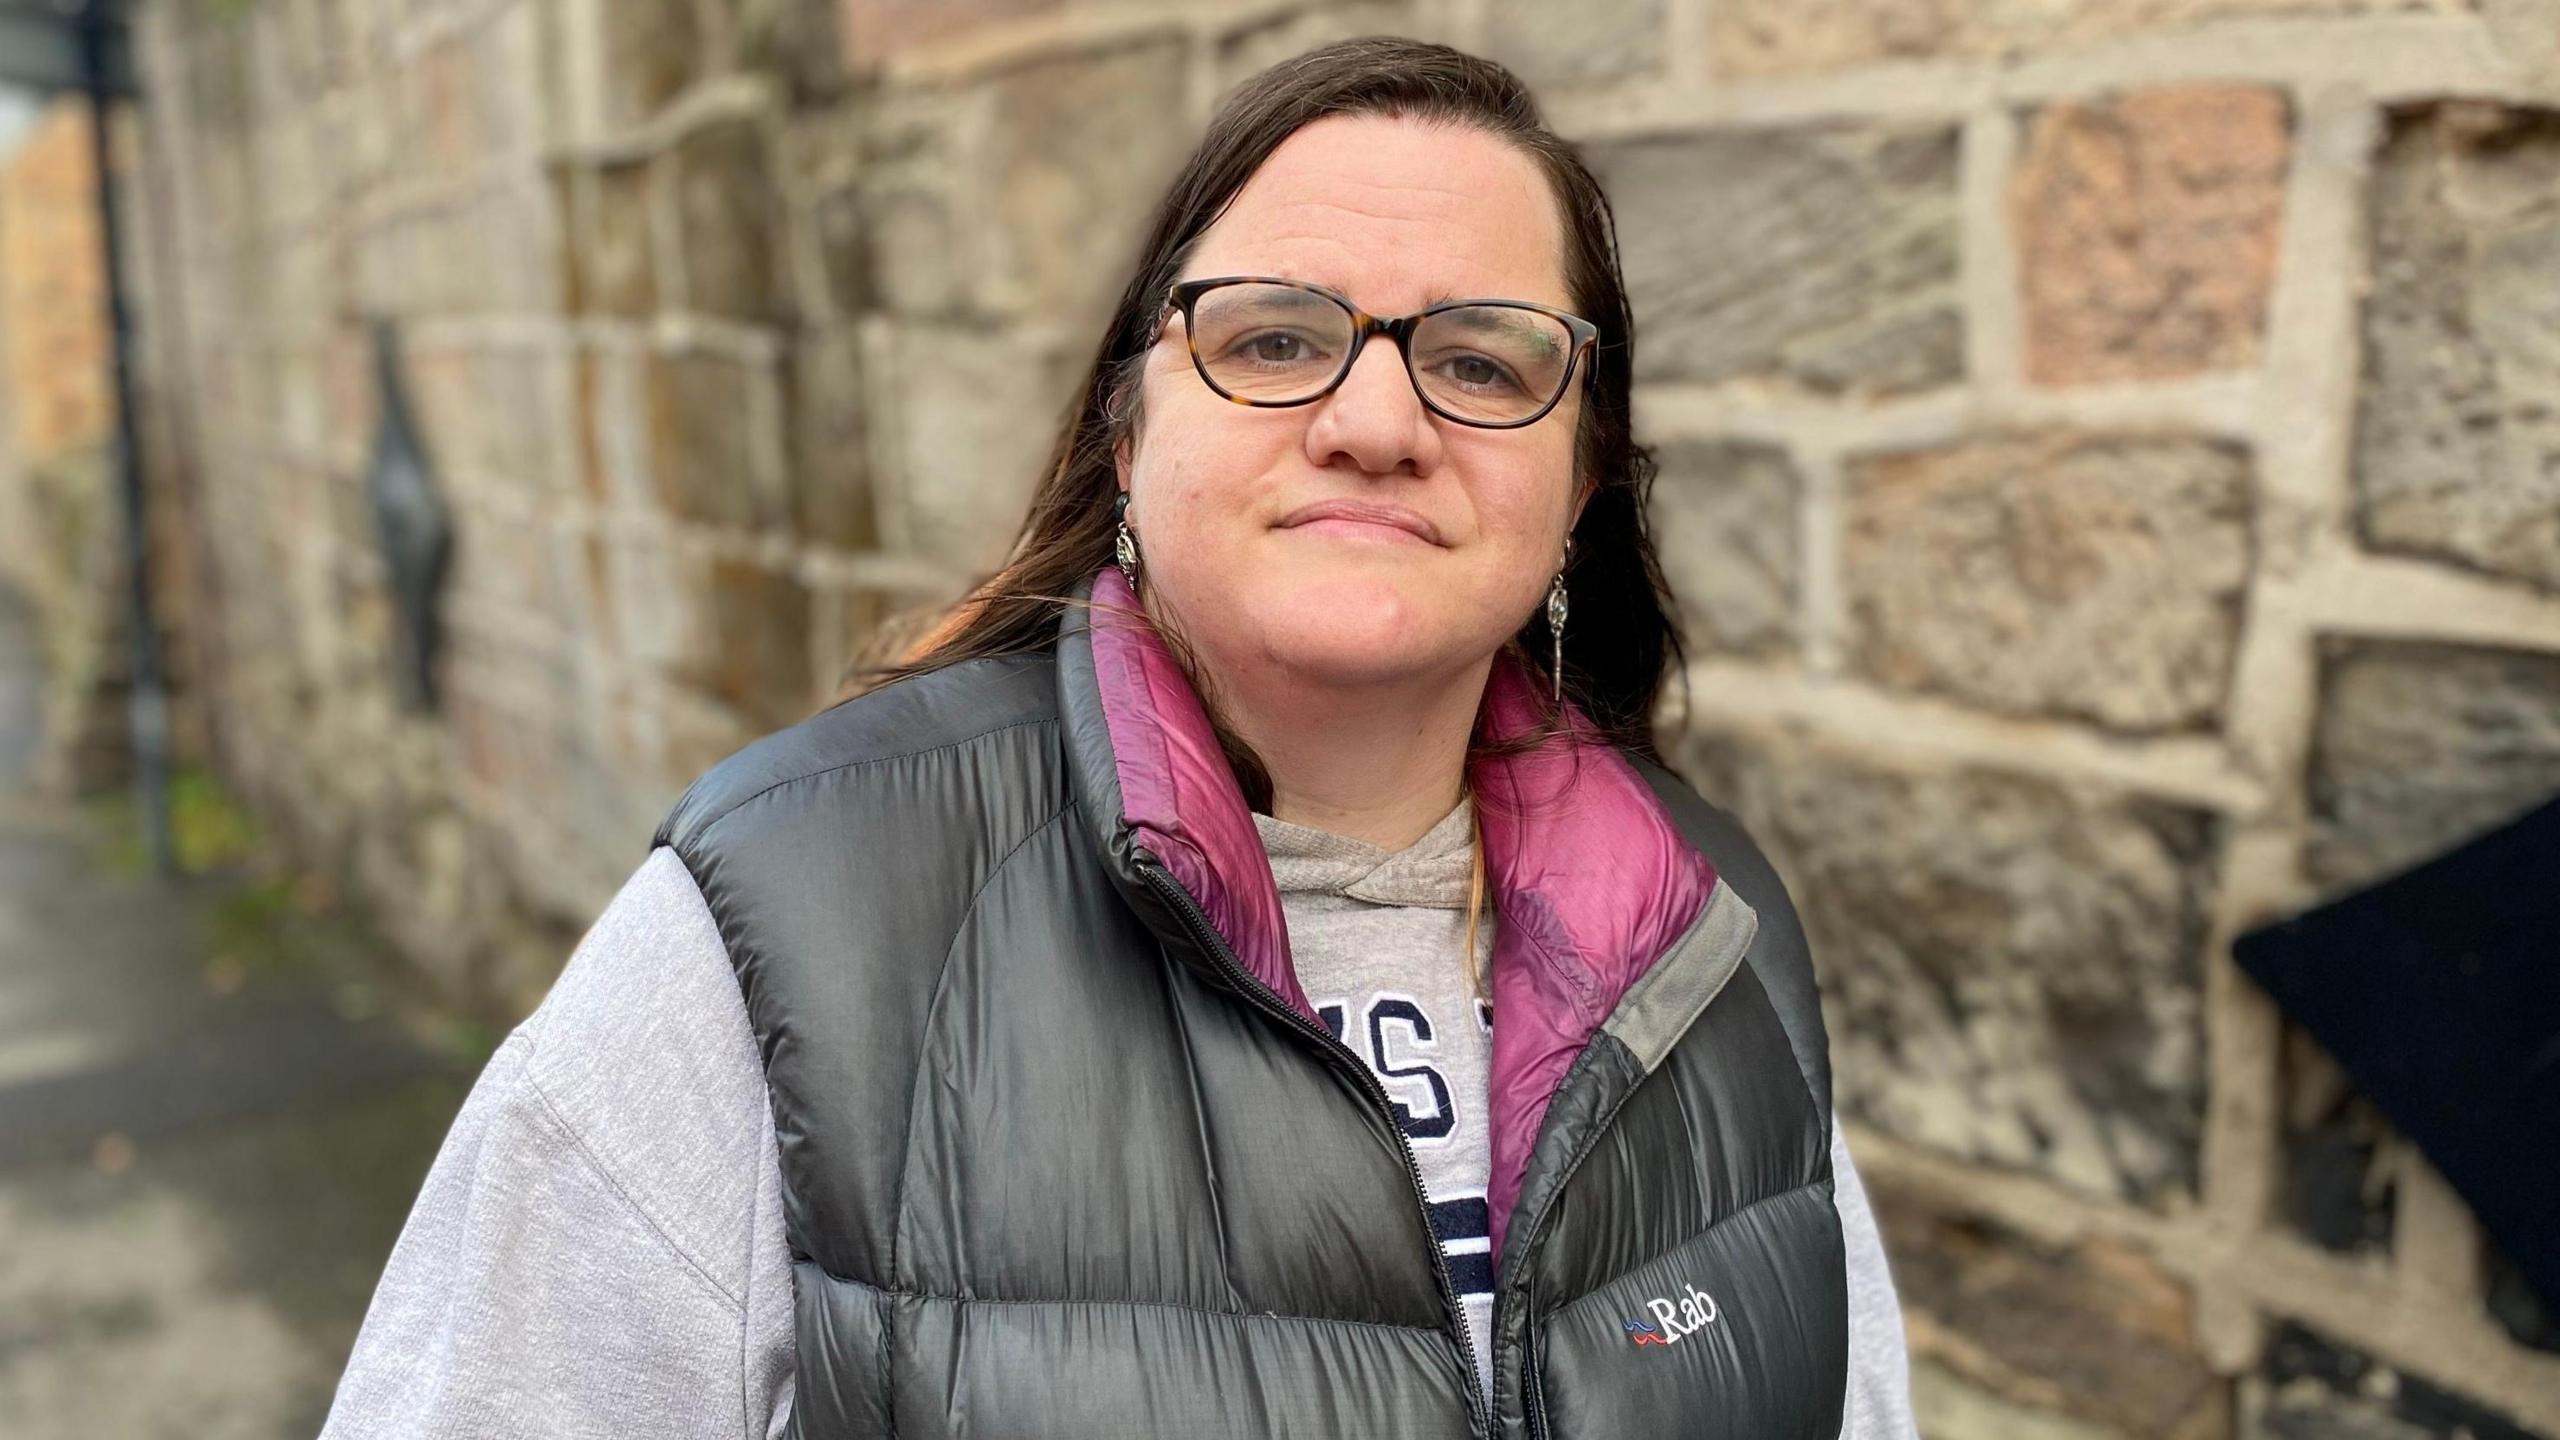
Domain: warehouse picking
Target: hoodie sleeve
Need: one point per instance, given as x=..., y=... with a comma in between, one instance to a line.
x=597, y=1250
x=1879, y=1403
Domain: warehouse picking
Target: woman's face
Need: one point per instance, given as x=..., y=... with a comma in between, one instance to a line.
x=1397, y=215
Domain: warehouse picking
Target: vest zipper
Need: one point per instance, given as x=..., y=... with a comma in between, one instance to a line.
x=1525, y=1241
x=1261, y=998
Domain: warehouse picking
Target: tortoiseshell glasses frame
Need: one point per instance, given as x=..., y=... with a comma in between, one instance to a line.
x=1184, y=299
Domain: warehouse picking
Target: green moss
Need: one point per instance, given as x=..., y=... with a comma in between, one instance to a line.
x=260, y=918
x=254, y=923
x=209, y=831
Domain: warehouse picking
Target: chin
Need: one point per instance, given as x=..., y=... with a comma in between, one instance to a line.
x=1333, y=625
x=1345, y=640
x=1338, y=666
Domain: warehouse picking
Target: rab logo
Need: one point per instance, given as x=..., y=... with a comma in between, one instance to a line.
x=1674, y=1320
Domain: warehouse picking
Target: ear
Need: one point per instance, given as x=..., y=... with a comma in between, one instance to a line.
x=1582, y=497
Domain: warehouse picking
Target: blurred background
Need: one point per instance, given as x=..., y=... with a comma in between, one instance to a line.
x=2111, y=476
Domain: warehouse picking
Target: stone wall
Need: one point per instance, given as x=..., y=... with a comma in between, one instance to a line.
x=2109, y=468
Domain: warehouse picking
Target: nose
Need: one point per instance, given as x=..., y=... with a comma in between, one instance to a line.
x=1373, y=419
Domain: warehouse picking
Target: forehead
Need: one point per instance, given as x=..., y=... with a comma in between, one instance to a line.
x=1396, y=213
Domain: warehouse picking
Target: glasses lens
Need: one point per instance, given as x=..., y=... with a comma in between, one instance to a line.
x=1269, y=342
x=1492, y=364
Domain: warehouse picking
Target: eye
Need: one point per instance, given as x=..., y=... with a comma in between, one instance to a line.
x=1480, y=372
x=1274, y=348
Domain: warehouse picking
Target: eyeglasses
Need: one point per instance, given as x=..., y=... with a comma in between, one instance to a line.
x=1262, y=341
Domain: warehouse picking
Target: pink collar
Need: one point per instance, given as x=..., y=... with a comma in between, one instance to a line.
x=1591, y=881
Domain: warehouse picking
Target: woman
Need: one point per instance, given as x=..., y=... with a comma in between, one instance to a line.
x=1249, y=974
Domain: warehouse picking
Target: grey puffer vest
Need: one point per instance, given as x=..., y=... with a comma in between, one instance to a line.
x=1065, y=1152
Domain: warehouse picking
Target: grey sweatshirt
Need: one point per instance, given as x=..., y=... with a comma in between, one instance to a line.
x=1379, y=941
x=598, y=1249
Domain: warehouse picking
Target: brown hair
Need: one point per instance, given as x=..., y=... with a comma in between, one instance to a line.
x=1622, y=637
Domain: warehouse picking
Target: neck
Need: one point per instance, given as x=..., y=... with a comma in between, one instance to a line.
x=1380, y=763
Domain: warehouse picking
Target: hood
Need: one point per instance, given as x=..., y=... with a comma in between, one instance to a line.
x=1590, y=881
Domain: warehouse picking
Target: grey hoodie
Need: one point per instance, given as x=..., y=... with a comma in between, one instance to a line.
x=598, y=1250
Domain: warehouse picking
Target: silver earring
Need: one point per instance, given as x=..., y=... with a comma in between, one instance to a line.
x=1555, y=620
x=1124, y=546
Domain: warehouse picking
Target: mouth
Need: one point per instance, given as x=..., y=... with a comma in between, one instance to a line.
x=1358, y=520
x=1369, y=530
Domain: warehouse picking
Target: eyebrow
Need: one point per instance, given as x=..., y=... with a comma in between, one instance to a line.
x=1436, y=297
x=1511, y=323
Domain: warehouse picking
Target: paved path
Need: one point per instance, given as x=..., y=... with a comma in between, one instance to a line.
x=202, y=1161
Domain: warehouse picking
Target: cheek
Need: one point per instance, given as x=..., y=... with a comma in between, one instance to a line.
x=1523, y=508
x=1197, y=469
x=1523, y=497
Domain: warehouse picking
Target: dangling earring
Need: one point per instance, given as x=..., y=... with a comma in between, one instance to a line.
x=1124, y=546
x=1555, y=617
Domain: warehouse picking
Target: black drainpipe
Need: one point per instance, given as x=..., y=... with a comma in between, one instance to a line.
x=149, y=704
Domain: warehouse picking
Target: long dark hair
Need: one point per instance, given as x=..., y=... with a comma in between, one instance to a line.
x=1621, y=640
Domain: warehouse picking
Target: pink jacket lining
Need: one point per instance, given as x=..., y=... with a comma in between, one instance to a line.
x=1591, y=882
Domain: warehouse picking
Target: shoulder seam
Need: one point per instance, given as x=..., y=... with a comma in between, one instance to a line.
x=733, y=807
x=595, y=1163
